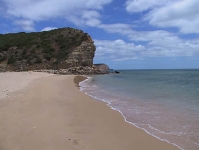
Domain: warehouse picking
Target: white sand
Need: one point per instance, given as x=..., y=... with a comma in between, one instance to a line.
x=13, y=81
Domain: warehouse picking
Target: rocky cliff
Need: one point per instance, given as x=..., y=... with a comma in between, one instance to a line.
x=56, y=49
x=102, y=67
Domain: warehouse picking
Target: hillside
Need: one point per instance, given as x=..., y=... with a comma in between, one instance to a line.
x=55, y=49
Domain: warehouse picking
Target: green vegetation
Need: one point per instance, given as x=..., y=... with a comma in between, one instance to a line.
x=11, y=60
x=2, y=58
x=36, y=47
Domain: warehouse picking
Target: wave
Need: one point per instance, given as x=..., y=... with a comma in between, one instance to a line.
x=85, y=84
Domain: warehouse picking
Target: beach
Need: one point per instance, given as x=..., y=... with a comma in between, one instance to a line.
x=40, y=111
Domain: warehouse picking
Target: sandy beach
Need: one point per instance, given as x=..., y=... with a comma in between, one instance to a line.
x=39, y=111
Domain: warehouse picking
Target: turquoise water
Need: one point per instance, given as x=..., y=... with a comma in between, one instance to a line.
x=164, y=103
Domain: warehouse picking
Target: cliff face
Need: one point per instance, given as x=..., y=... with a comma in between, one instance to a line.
x=55, y=49
x=81, y=56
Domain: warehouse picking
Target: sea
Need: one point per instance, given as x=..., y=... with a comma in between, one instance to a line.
x=164, y=103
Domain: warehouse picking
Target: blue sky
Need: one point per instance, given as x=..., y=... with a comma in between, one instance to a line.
x=128, y=34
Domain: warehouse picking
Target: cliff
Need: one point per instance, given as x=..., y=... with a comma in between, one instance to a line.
x=56, y=49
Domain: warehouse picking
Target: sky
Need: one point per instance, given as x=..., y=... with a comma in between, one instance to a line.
x=128, y=34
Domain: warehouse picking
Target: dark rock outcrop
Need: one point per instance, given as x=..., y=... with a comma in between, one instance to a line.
x=66, y=49
x=102, y=67
x=117, y=72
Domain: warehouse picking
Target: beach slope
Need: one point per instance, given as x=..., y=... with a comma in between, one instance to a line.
x=52, y=114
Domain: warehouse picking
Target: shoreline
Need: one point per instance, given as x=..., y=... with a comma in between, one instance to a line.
x=124, y=118
x=53, y=114
x=79, y=79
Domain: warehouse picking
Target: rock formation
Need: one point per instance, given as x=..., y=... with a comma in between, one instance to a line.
x=56, y=49
x=102, y=67
x=81, y=70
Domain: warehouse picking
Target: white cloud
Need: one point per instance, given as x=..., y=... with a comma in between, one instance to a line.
x=48, y=28
x=142, y=5
x=116, y=28
x=79, y=12
x=40, y=10
x=183, y=14
x=128, y=58
x=156, y=44
x=118, y=50
x=95, y=4
x=90, y=18
x=27, y=25
x=90, y=14
x=127, y=31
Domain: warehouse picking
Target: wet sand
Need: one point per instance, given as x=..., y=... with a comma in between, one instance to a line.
x=51, y=113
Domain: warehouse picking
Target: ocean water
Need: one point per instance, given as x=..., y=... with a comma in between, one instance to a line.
x=164, y=103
